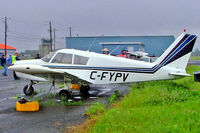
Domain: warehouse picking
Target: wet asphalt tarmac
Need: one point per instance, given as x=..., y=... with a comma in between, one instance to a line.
x=48, y=119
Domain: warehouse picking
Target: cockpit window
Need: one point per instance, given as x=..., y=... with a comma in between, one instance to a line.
x=62, y=58
x=48, y=57
x=67, y=59
x=80, y=60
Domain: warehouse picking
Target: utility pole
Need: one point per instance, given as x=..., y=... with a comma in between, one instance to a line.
x=70, y=31
x=50, y=30
x=5, y=35
x=54, y=39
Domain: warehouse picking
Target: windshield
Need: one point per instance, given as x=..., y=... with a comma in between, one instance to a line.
x=48, y=57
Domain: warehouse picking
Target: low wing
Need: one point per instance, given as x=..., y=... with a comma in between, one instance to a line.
x=42, y=73
x=30, y=77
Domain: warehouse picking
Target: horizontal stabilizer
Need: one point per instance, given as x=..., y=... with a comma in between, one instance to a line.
x=180, y=74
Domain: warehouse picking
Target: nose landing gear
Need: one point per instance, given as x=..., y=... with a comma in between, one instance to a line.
x=28, y=89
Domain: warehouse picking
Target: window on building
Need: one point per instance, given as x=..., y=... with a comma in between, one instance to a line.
x=80, y=60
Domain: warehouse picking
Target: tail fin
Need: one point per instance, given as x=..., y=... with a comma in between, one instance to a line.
x=178, y=54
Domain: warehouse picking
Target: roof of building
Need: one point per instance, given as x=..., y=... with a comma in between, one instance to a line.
x=2, y=46
x=124, y=43
x=120, y=36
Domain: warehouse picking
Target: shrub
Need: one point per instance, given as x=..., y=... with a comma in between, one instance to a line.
x=114, y=97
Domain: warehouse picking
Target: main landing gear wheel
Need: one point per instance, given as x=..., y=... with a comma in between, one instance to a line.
x=84, y=91
x=28, y=90
x=64, y=94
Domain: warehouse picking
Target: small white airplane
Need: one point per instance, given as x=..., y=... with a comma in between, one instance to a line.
x=84, y=67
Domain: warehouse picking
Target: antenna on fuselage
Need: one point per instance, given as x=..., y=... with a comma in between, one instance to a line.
x=91, y=44
x=114, y=50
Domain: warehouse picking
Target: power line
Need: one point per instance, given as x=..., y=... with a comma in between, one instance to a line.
x=37, y=24
x=13, y=35
x=25, y=35
x=22, y=39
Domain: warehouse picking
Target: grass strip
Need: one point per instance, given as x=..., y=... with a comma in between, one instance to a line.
x=157, y=106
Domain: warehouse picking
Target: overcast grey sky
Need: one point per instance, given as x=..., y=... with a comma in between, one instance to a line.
x=28, y=19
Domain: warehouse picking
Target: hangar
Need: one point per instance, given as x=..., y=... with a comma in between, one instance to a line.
x=154, y=45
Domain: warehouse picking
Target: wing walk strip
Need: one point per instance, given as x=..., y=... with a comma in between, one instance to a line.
x=187, y=40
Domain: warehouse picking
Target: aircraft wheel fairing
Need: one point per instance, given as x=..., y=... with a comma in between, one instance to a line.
x=64, y=94
x=28, y=90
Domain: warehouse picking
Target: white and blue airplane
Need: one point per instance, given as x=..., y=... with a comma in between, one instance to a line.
x=84, y=67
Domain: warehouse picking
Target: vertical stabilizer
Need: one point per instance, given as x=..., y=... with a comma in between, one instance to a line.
x=178, y=54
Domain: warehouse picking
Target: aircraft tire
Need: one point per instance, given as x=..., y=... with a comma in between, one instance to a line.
x=84, y=91
x=29, y=91
x=64, y=94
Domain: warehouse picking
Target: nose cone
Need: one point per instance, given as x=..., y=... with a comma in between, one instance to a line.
x=14, y=68
x=29, y=62
x=11, y=67
x=23, y=68
x=31, y=69
x=25, y=65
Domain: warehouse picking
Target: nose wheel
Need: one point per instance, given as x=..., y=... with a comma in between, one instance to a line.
x=28, y=90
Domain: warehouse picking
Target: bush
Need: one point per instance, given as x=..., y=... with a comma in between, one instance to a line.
x=114, y=97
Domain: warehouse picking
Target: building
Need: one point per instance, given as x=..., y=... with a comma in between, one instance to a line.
x=45, y=47
x=118, y=47
x=28, y=54
x=154, y=45
x=9, y=50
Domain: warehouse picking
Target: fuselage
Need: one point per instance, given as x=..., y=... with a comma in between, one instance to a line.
x=94, y=68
